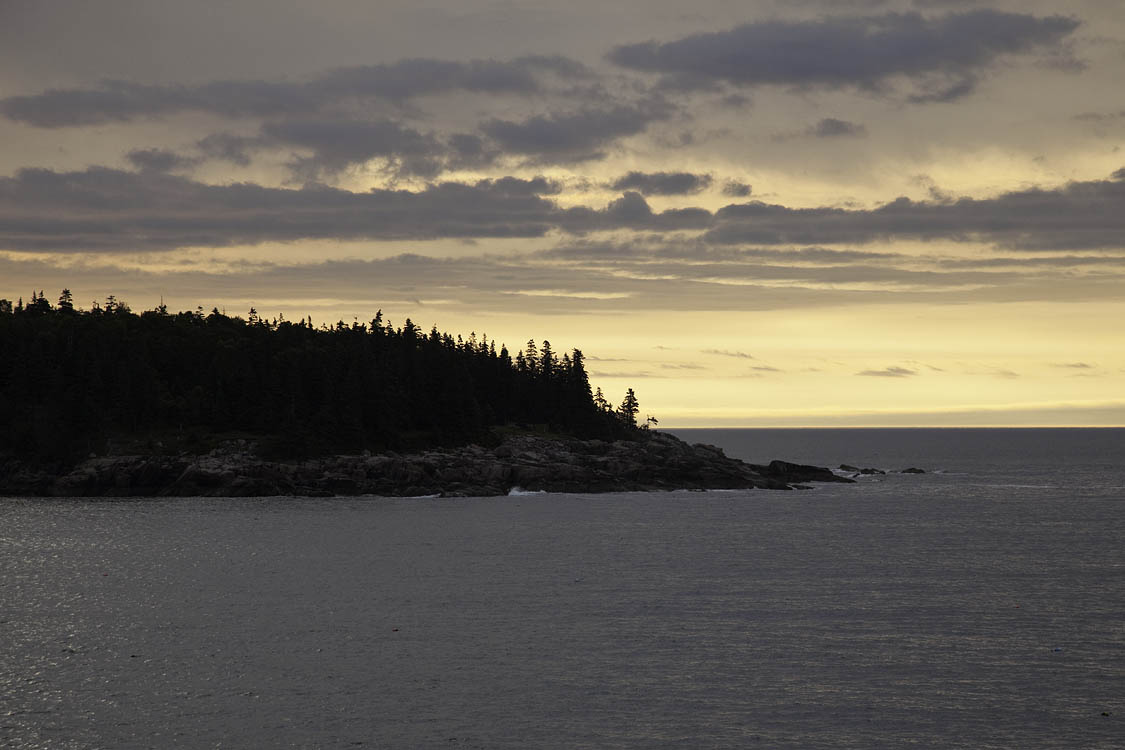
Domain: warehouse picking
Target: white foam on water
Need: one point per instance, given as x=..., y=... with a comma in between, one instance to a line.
x=519, y=491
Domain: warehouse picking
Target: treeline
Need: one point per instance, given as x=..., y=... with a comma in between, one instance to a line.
x=72, y=379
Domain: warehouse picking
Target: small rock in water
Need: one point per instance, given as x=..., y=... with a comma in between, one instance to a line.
x=913, y=470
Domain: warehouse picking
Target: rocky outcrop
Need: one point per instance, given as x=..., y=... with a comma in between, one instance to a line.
x=857, y=470
x=654, y=461
x=789, y=473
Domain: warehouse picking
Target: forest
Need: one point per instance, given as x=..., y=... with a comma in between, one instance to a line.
x=75, y=382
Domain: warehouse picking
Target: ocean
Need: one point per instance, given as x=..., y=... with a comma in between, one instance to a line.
x=978, y=605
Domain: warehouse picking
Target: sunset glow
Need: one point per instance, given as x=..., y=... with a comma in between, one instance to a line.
x=754, y=214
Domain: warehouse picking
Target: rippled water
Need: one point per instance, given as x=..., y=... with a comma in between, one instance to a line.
x=981, y=607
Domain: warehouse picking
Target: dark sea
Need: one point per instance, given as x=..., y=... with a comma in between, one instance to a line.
x=978, y=605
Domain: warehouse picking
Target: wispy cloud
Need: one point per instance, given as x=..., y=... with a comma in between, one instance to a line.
x=727, y=353
x=634, y=374
x=889, y=372
x=663, y=183
x=121, y=101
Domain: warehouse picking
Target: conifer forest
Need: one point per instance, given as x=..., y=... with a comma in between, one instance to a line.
x=73, y=382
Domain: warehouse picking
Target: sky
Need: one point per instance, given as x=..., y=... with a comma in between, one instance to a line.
x=754, y=213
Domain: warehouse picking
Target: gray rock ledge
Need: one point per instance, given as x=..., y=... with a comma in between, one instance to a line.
x=655, y=461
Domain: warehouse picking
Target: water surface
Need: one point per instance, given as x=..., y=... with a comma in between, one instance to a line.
x=980, y=607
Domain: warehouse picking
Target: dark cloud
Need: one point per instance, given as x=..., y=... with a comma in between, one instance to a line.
x=338, y=144
x=688, y=82
x=835, y=4
x=111, y=210
x=830, y=127
x=107, y=209
x=941, y=55
x=632, y=211
x=736, y=101
x=574, y=136
x=467, y=151
x=159, y=160
x=943, y=3
x=736, y=189
x=889, y=372
x=538, y=185
x=1053, y=261
x=121, y=101
x=663, y=183
x=944, y=92
x=228, y=147
x=1078, y=215
x=411, y=78
x=325, y=147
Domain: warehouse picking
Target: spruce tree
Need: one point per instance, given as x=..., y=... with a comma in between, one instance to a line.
x=629, y=408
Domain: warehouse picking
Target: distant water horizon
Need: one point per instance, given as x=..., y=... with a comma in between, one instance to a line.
x=675, y=427
x=1068, y=454
x=671, y=428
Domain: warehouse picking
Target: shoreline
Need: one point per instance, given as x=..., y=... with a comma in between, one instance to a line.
x=655, y=461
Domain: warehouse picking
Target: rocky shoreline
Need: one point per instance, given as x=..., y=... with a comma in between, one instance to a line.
x=655, y=461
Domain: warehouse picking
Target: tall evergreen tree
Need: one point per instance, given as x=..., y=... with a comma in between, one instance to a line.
x=629, y=409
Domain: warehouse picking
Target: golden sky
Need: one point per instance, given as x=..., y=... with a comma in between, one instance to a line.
x=856, y=212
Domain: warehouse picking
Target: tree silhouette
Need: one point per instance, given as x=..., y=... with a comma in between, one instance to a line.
x=70, y=380
x=629, y=409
